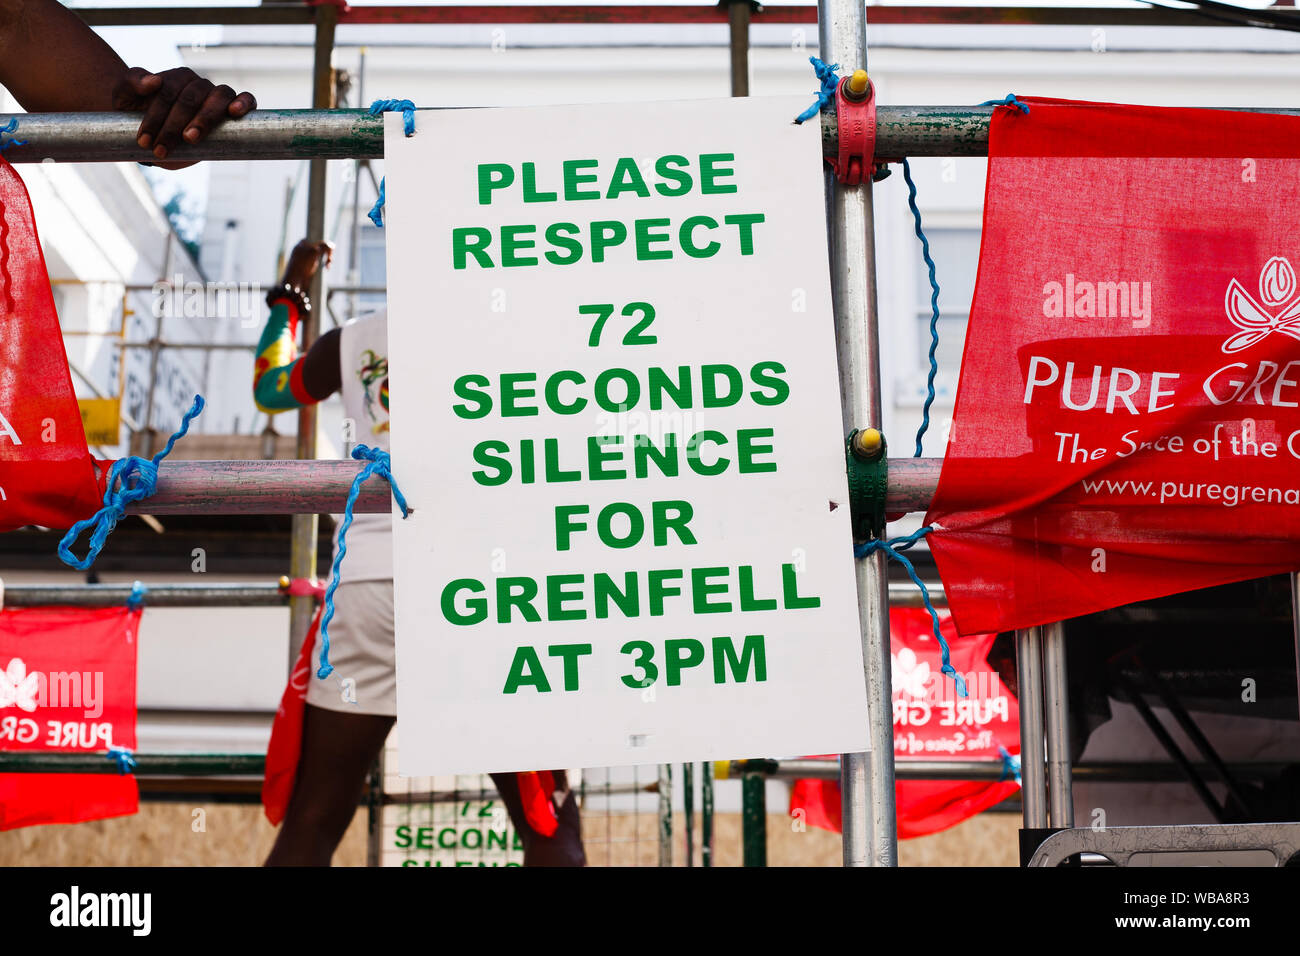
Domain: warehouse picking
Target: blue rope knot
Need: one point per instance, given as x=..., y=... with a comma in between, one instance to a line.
x=131, y=479
x=894, y=548
x=123, y=758
x=379, y=464
x=1008, y=100
x=9, y=128
x=826, y=94
x=135, y=600
x=406, y=107
x=376, y=214
x=1010, y=764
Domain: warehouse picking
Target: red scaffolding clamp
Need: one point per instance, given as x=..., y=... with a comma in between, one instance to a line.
x=855, y=111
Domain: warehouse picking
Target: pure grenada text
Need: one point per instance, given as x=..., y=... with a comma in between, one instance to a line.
x=597, y=240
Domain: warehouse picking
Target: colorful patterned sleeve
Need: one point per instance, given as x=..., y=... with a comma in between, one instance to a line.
x=277, y=371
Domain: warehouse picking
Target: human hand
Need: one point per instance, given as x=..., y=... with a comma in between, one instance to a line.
x=178, y=105
x=305, y=259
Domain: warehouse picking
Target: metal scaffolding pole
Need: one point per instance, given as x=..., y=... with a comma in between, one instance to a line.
x=1295, y=624
x=355, y=134
x=752, y=772
x=1029, y=680
x=738, y=12
x=156, y=595
x=147, y=765
x=302, y=548
x=907, y=594
x=1056, y=705
x=908, y=769
x=293, y=13
x=688, y=810
x=321, y=487
x=665, y=810
x=706, y=814
x=753, y=821
x=870, y=831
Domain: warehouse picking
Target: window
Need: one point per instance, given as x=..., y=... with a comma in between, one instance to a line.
x=371, y=268
x=956, y=257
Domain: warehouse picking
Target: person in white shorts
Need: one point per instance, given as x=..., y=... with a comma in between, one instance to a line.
x=344, y=732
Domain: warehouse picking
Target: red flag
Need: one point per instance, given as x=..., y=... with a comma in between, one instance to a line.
x=932, y=723
x=46, y=472
x=285, y=746
x=67, y=683
x=820, y=803
x=1128, y=418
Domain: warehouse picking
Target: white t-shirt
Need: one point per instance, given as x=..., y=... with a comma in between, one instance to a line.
x=363, y=357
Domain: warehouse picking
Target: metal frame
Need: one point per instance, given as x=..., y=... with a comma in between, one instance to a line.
x=256, y=594
x=1237, y=807
x=272, y=487
x=869, y=822
x=1208, y=845
x=1056, y=714
x=292, y=13
x=912, y=769
x=1029, y=696
x=354, y=134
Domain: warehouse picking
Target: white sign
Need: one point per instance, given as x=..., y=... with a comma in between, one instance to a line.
x=615, y=413
x=443, y=821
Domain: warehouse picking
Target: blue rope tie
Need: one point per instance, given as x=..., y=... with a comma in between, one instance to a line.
x=407, y=108
x=123, y=758
x=135, y=600
x=9, y=128
x=825, y=95
x=1010, y=764
x=934, y=308
x=894, y=548
x=376, y=214
x=1008, y=100
x=380, y=464
x=138, y=478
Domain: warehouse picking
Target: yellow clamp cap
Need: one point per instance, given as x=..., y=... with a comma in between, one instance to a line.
x=868, y=441
x=858, y=82
x=721, y=769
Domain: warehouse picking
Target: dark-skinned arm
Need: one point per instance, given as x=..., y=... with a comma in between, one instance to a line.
x=282, y=380
x=52, y=62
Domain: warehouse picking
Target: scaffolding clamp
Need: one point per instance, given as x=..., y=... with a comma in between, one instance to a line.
x=855, y=112
x=867, y=463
